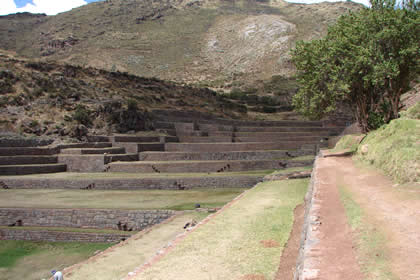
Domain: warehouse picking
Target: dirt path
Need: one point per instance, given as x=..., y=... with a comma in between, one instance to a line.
x=331, y=255
x=395, y=210
x=291, y=251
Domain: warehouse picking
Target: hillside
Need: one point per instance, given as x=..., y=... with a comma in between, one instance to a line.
x=53, y=99
x=221, y=44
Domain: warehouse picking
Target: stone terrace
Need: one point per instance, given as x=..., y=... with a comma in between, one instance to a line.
x=204, y=153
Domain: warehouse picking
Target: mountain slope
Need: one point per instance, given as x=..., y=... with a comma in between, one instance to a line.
x=221, y=43
x=53, y=98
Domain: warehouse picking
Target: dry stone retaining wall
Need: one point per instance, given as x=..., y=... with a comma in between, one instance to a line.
x=58, y=236
x=134, y=184
x=245, y=155
x=304, y=265
x=83, y=163
x=86, y=218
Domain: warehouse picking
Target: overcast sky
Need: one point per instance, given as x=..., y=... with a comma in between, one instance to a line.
x=53, y=7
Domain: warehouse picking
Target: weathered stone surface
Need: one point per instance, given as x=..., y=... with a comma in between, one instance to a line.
x=83, y=163
x=31, y=169
x=202, y=166
x=86, y=218
x=134, y=184
x=59, y=236
x=364, y=149
x=231, y=155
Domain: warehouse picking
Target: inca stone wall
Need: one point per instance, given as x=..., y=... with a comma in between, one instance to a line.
x=58, y=236
x=86, y=218
x=133, y=184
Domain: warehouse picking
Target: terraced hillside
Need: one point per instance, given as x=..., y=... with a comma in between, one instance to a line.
x=53, y=99
x=102, y=190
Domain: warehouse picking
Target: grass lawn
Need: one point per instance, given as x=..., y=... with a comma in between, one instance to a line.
x=118, y=199
x=34, y=260
x=232, y=244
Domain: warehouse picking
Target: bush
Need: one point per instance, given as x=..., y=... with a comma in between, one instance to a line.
x=82, y=115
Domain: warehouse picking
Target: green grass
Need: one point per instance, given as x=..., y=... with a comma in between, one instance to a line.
x=395, y=149
x=34, y=260
x=229, y=246
x=293, y=169
x=370, y=242
x=11, y=252
x=303, y=158
x=348, y=142
x=412, y=113
x=118, y=199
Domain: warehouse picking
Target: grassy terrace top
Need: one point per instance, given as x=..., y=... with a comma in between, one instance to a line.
x=264, y=215
x=122, y=175
x=112, y=199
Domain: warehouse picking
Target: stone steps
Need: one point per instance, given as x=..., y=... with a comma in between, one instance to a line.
x=202, y=166
x=20, y=160
x=93, y=151
x=281, y=134
x=144, y=139
x=237, y=123
x=285, y=129
x=227, y=147
x=302, y=139
x=20, y=151
x=240, y=155
x=44, y=151
x=131, y=138
x=204, y=139
x=121, y=157
x=140, y=147
x=32, y=169
x=121, y=181
x=96, y=145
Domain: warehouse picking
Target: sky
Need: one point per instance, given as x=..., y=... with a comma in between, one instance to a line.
x=49, y=7
x=53, y=7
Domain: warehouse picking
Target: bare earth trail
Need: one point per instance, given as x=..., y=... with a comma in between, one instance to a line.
x=332, y=256
x=396, y=212
x=395, y=209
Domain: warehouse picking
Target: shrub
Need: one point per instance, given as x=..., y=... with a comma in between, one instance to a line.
x=82, y=115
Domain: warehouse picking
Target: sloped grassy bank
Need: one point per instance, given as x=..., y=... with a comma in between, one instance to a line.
x=395, y=149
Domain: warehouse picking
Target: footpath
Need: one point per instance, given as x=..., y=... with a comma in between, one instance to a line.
x=361, y=225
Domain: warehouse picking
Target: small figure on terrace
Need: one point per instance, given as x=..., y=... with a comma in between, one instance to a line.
x=57, y=275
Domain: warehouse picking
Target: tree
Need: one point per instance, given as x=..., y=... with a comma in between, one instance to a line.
x=366, y=60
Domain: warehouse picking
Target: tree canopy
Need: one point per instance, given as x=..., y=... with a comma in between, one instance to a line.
x=367, y=60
